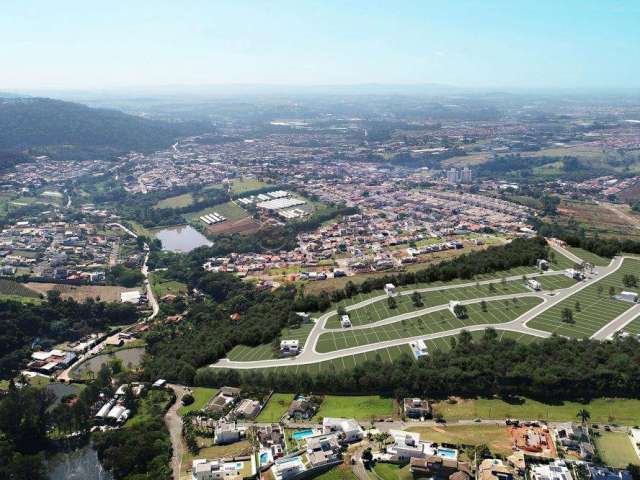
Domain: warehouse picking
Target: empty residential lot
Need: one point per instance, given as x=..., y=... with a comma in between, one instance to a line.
x=497, y=312
x=380, y=310
x=597, y=307
x=243, y=353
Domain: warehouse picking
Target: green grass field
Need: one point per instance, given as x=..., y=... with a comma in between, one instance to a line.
x=178, y=201
x=380, y=310
x=389, y=471
x=358, y=407
x=616, y=449
x=337, y=473
x=243, y=353
x=495, y=436
x=596, y=308
x=560, y=262
x=603, y=410
x=246, y=184
x=201, y=397
x=276, y=407
x=587, y=256
x=634, y=327
x=497, y=312
x=162, y=286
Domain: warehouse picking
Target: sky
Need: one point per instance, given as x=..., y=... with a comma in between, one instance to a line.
x=94, y=44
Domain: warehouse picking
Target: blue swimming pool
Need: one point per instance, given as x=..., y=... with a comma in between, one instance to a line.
x=301, y=434
x=447, y=452
x=264, y=458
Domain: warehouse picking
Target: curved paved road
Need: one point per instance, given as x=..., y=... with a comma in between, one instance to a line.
x=310, y=355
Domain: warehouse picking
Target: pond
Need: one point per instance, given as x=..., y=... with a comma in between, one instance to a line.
x=79, y=464
x=129, y=356
x=181, y=239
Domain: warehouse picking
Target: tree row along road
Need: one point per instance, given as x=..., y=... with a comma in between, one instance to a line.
x=310, y=355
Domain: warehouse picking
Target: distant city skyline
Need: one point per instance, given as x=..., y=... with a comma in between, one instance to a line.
x=467, y=44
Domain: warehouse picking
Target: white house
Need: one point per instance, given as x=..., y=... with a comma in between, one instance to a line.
x=218, y=469
x=289, y=347
x=534, y=284
x=390, y=289
x=286, y=468
x=407, y=445
x=351, y=430
x=227, y=433
x=345, y=321
x=556, y=470
x=628, y=297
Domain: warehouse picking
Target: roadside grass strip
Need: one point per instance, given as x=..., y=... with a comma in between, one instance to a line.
x=380, y=309
x=587, y=256
x=497, y=312
x=634, y=327
x=597, y=308
x=561, y=262
x=243, y=353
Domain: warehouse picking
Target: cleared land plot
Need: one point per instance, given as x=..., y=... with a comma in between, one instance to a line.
x=178, y=201
x=616, y=449
x=162, y=286
x=495, y=436
x=597, y=307
x=201, y=397
x=276, y=407
x=358, y=407
x=11, y=288
x=497, y=312
x=592, y=258
x=602, y=410
x=519, y=271
x=79, y=293
x=380, y=310
x=245, y=226
x=243, y=353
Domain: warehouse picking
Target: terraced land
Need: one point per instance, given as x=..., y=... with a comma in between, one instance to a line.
x=497, y=312
x=518, y=271
x=587, y=256
x=243, y=353
x=380, y=310
x=597, y=307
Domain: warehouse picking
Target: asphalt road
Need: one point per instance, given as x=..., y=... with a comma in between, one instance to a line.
x=310, y=355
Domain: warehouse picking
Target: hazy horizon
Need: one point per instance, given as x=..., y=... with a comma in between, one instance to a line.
x=492, y=44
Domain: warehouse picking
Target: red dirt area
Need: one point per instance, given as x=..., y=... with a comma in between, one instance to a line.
x=244, y=225
x=533, y=440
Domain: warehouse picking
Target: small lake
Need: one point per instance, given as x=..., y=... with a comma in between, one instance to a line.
x=181, y=239
x=129, y=356
x=79, y=464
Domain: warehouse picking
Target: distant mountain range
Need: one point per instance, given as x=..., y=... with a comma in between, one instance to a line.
x=71, y=130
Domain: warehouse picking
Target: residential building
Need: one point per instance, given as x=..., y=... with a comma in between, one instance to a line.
x=417, y=407
x=495, y=469
x=349, y=428
x=554, y=470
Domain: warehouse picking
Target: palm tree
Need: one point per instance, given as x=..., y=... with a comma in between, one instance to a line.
x=584, y=415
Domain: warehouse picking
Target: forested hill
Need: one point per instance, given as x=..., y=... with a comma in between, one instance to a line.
x=56, y=127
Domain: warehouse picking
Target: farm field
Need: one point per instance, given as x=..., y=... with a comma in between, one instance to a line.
x=243, y=353
x=603, y=410
x=495, y=436
x=597, y=307
x=276, y=407
x=380, y=310
x=616, y=449
x=358, y=407
x=178, y=201
x=229, y=210
x=497, y=312
x=201, y=397
x=108, y=293
x=587, y=256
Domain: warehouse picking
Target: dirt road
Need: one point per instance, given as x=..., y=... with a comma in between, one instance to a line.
x=174, y=424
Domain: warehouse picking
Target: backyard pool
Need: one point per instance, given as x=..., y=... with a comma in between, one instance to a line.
x=447, y=452
x=301, y=434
